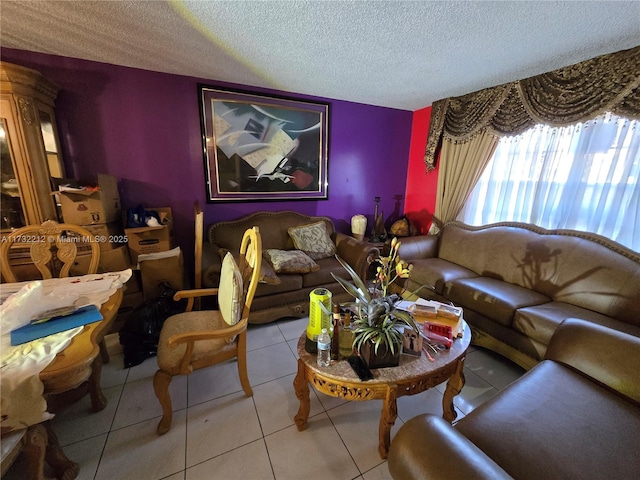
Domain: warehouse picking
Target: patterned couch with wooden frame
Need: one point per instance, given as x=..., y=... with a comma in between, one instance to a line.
x=288, y=294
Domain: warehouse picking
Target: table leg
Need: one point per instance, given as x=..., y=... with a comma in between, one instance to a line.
x=454, y=386
x=104, y=353
x=64, y=468
x=387, y=420
x=98, y=399
x=301, y=387
x=35, y=447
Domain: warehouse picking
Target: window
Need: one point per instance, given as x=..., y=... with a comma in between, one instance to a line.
x=582, y=177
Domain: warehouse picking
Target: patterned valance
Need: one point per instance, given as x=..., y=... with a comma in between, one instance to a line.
x=562, y=97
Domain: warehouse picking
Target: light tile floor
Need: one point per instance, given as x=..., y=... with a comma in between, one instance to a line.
x=219, y=433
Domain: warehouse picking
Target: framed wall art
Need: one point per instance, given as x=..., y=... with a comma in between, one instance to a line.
x=261, y=147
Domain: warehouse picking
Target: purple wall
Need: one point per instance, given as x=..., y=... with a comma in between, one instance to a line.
x=143, y=127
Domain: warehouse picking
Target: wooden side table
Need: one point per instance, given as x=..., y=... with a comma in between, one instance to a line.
x=413, y=375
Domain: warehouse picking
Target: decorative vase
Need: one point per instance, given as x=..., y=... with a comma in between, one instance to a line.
x=384, y=358
x=379, y=232
x=358, y=226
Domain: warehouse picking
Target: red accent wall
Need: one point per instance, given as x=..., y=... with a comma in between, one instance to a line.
x=420, y=196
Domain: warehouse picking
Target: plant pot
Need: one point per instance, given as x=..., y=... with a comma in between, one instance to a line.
x=384, y=357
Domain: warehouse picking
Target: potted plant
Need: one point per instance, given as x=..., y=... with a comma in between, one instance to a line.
x=378, y=324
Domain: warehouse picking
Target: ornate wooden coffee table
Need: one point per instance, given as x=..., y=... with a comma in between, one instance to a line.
x=412, y=376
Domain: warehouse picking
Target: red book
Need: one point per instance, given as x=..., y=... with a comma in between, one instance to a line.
x=439, y=333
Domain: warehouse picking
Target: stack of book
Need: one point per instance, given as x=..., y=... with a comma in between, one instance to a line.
x=440, y=322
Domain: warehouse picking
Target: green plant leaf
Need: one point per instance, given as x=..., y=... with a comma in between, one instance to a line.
x=354, y=276
x=378, y=319
x=350, y=288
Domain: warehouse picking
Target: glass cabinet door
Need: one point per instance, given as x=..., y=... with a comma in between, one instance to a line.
x=51, y=147
x=11, y=204
x=30, y=148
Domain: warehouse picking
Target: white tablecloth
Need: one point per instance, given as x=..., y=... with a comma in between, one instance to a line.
x=21, y=389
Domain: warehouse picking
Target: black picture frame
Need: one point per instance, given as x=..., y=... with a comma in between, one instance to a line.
x=263, y=147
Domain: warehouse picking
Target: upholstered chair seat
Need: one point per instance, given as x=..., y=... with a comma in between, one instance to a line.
x=169, y=358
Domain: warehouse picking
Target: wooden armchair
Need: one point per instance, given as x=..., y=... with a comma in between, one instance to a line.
x=197, y=339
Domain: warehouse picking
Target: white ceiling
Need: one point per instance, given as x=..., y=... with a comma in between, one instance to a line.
x=402, y=54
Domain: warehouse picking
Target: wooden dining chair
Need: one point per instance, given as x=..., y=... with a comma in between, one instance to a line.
x=51, y=247
x=197, y=339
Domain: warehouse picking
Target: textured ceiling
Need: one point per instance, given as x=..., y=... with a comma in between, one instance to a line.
x=402, y=54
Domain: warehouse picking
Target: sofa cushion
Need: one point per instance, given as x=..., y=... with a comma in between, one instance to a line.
x=579, y=268
x=435, y=272
x=323, y=275
x=492, y=298
x=289, y=282
x=267, y=273
x=290, y=261
x=313, y=239
x=540, y=321
x=427, y=447
x=556, y=423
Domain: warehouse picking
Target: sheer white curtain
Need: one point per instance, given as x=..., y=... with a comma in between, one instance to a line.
x=582, y=177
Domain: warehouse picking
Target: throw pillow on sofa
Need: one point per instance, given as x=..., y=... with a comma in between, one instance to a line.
x=313, y=240
x=267, y=274
x=290, y=261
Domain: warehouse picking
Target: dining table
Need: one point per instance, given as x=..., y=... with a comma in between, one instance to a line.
x=41, y=377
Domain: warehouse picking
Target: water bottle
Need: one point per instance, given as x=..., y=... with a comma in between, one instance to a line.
x=324, y=346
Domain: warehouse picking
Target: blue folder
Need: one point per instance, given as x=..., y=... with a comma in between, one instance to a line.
x=82, y=316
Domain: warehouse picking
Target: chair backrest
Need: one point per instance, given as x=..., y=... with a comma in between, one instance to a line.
x=40, y=242
x=249, y=262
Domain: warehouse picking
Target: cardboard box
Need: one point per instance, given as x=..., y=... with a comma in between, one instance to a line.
x=88, y=207
x=169, y=269
x=108, y=236
x=114, y=260
x=142, y=240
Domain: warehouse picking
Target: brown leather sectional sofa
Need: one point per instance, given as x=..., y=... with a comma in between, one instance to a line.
x=517, y=282
x=575, y=415
x=289, y=295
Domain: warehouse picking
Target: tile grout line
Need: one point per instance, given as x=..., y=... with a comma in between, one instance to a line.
x=482, y=366
x=264, y=438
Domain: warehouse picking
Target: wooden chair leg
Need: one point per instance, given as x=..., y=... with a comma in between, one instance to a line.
x=161, y=382
x=242, y=364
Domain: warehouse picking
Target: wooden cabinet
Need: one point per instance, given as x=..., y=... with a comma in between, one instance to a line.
x=29, y=147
